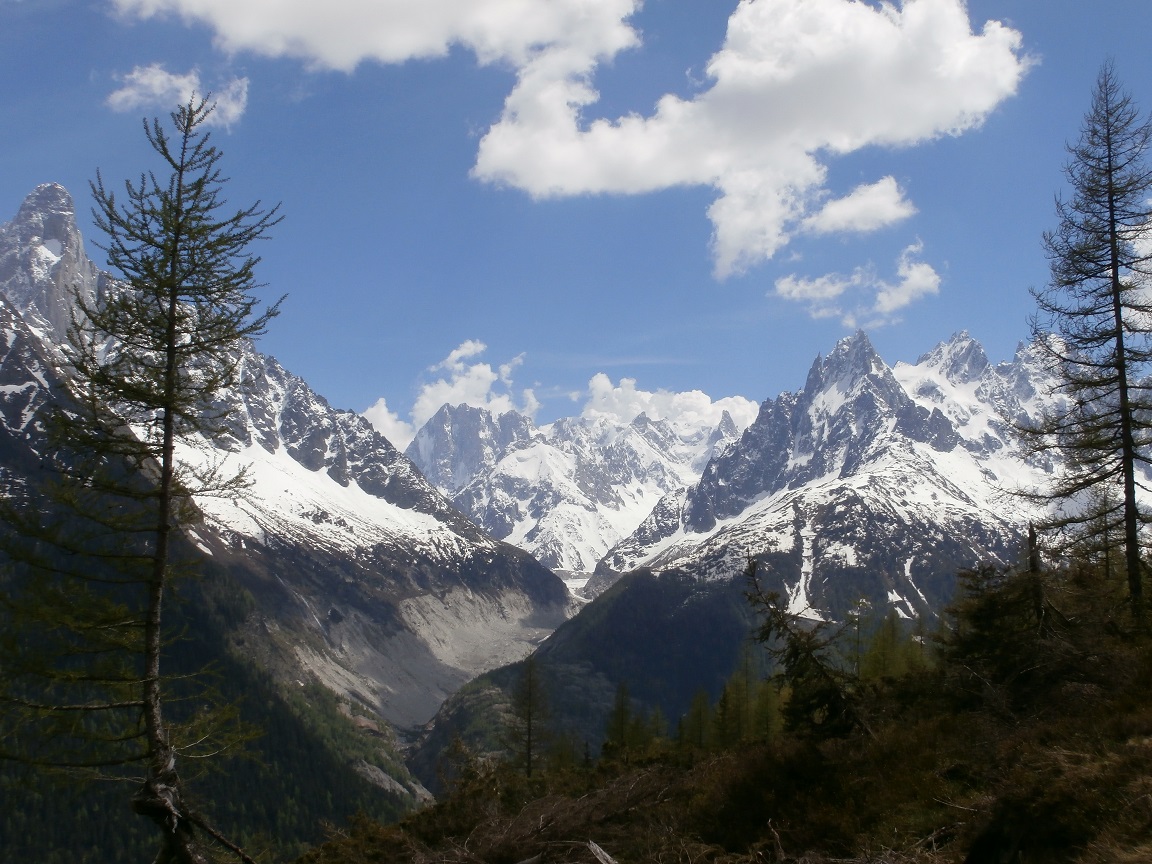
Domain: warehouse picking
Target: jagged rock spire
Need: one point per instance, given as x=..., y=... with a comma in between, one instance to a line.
x=42, y=260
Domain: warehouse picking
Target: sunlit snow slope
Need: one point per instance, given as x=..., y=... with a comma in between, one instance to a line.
x=567, y=491
x=364, y=574
x=870, y=482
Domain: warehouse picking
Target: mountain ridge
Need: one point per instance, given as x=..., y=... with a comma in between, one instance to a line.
x=865, y=493
x=863, y=451
x=366, y=566
x=566, y=491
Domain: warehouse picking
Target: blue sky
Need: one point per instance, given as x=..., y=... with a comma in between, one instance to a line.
x=578, y=205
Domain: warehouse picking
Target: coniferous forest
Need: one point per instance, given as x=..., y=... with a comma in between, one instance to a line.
x=1020, y=730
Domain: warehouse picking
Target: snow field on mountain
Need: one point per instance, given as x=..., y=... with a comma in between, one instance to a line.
x=285, y=499
x=868, y=473
x=991, y=468
x=570, y=490
x=799, y=595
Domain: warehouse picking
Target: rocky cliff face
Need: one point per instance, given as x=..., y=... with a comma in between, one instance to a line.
x=42, y=260
x=871, y=482
x=367, y=577
x=568, y=491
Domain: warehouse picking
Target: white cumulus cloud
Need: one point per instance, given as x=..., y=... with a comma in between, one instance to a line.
x=916, y=280
x=863, y=298
x=390, y=424
x=341, y=34
x=795, y=83
x=155, y=88
x=866, y=208
x=688, y=409
x=458, y=382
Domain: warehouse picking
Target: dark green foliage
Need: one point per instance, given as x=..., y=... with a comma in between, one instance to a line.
x=749, y=709
x=695, y=731
x=632, y=732
x=698, y=629
x=1012, y=636
x=71, y=635
x=821, y=691
x=527, y=731
x=895, y=649
x=618, y=737
x=941, y=774
x=274, y=795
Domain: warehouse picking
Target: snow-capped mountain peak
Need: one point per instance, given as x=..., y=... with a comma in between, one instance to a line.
x=365, y=576
x=885, y=479
x=960, y=359
x=42, y=260
x=852, y=361
x=460, y=442
x=569, y=490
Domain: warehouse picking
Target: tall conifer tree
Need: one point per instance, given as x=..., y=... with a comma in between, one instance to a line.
x=1094, y=327
x=146, y=364
x=527, y=731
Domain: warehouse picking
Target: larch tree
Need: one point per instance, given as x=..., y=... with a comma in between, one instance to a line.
x=526, y=732
x=1093, y=327
x=147, y=362
x=822, y=694
x=696, y=726
x=618, y=738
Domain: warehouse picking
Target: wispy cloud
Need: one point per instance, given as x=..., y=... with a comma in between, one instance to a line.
x=863, y=298
x=153, y=87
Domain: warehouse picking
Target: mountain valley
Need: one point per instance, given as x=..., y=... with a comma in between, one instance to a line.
x=394, y=579
x=364, y=577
